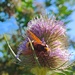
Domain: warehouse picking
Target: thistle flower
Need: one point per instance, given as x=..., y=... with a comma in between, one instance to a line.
x=52, y=33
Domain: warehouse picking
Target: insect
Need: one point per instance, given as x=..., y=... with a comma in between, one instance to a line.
x=37, y=44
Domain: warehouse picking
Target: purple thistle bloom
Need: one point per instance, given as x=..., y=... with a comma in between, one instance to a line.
x=53, y=33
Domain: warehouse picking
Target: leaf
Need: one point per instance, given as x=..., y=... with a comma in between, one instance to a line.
x=40, y=71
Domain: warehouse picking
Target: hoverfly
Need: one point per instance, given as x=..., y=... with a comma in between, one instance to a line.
x=37, y=44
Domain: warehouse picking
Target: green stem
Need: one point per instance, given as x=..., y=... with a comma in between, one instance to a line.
x=36, y=58
x=11, y=48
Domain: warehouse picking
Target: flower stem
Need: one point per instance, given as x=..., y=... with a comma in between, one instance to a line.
x=36, y=58
x=11, y=48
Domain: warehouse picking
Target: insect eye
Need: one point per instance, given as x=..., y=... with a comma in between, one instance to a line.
x=46, y=45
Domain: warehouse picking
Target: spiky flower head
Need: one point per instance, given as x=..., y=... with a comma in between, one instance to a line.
x=52, y=32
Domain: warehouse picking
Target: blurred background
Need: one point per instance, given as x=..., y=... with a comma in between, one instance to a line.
x=14, y=16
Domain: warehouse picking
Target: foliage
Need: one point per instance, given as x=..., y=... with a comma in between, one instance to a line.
x=24, y=11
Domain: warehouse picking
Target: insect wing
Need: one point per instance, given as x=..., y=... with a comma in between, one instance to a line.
x=34, y=37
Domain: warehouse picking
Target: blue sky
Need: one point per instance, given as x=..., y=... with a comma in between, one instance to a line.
x=71, y=25
x=8, y=26
x=71, y=33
